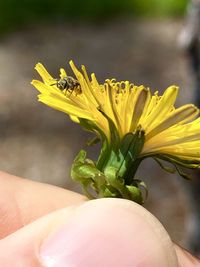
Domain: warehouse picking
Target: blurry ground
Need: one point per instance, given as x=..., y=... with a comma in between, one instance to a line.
x=39, y=143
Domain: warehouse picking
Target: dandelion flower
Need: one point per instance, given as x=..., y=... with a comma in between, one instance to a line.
x=132, y=124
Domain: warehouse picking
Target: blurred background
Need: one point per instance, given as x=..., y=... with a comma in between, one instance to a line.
x=129, y=40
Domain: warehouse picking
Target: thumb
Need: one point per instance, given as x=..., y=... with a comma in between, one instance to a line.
x=100, y=233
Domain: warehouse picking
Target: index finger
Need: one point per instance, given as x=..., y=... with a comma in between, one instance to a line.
x=22, y=201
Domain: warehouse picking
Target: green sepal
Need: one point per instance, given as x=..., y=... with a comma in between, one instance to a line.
x=109, y=193
x=104, y=155
x=131, y=192
x=175, y=162
x=92, y=127
x=115, y=181
x=124, y=159
x=130, y=148
x=114, y=135
x=190, y=164
x=166, y=168
x=93, y=141
x=141, y=185
x=182, y=173
x=135, y=194
x=84, y=171
x=105, y=150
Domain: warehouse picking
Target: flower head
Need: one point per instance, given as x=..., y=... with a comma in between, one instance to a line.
x=132, y=122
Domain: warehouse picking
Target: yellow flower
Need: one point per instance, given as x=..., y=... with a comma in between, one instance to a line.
x=169, y=133
x=132, y=124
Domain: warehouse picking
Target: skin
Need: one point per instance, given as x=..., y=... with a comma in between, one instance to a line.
x=43, y=225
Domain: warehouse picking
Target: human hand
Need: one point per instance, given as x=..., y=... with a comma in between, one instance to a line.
x=62, y=229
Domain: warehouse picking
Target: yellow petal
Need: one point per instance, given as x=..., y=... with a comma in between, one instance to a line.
x=46, y=77
x=180, y=115
x=140, y=103
x=65, y=107
x=162, y=108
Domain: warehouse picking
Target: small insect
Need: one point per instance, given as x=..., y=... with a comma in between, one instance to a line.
x=69, y=84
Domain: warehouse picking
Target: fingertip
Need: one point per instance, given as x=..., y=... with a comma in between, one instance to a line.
x=109, y=232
